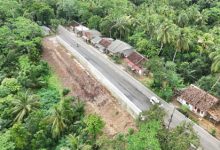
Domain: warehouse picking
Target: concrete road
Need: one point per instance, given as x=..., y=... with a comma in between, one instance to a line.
x=137, y=93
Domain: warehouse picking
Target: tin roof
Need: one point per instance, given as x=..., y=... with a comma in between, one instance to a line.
x=118, y=46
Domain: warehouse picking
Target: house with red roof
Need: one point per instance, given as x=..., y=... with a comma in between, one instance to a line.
x=136, y=62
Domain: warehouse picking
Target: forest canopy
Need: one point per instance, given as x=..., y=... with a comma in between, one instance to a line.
x=181, y=38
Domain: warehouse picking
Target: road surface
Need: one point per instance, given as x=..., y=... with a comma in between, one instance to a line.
x=137, y=93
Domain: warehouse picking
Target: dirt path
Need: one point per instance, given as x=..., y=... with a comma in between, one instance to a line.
x=98, y=100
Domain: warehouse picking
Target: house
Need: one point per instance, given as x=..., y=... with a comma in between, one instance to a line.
x=88, y=35
x=135, y=61
x=200, y=102
x=80, y=29
x=103, y=44
x=119, y=47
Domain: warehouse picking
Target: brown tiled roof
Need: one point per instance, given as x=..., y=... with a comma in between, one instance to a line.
x=87, y=34
x=105, y=42
x=215, y=112
x=136, y=58
x=198, y=98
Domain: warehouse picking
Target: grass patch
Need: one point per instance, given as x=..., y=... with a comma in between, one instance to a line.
x=147, y=81
x=116, y=59
x=54, y=82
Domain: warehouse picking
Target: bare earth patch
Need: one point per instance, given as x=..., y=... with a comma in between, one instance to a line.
x=98, y=99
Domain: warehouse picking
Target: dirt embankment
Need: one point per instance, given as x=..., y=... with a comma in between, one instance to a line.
x=98, y=100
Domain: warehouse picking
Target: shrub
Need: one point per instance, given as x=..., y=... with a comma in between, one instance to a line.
x=184, y=109
x=130, y=131
x=116, y=59
x=11, y=84
x=65, y=92
x=213, y=132
x=4, y=91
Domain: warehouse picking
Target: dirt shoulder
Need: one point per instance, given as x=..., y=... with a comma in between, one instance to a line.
x=98, y=99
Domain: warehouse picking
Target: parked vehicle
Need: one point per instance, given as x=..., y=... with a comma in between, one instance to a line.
x=154, y=100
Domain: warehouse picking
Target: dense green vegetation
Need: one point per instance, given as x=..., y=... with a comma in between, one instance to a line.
x=152, y=135
x=181, y=38
x=35, y=113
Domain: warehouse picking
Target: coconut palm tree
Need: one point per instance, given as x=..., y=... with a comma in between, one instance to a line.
x=183, y=19
x=76, y=142
x=182, y=43
x=165, y=34
x=206, y=43
x=215, y=56
x=57, y=120
x=24, y=104
x=122, y=26
x=151, y=23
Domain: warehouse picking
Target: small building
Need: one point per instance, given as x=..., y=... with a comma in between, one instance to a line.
x=80, y=29
x=88, y=35
x=135, y=61
x=199, y=101
x=103, y=44
x=119, y=47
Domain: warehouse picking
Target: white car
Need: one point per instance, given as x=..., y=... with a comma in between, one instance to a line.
x=154, y=100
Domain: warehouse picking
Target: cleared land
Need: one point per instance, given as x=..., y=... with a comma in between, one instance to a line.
x=97, y=99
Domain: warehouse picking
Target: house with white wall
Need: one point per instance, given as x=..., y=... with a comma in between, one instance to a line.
x=198, y=100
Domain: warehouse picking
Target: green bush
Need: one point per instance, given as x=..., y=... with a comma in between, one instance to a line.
x=4, y=91
x=213, y=132
x=11, y=84
x=116, y=59
x=130, y=131
x=65, y=92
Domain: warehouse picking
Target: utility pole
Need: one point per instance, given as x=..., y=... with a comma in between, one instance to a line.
x=171, y=117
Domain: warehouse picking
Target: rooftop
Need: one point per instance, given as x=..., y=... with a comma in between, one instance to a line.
x=118, y=46
x=106, y=42
x=96, y=40
x=81, y=28
x=136, y=58
x=198, y=98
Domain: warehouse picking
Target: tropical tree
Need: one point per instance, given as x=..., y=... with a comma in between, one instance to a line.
x=5, y=141
x=57, y=120
x=41, y=12
x=215, y=56
x=183, y=19
x=20, y=135
x=76, y=143
x=180, y=138
x=9, y=9
x=165, y=34
x=24, y=103
x=121, y=26
x=206, y=42
x=182, y=43
x=94, y=125
x=146, y=137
